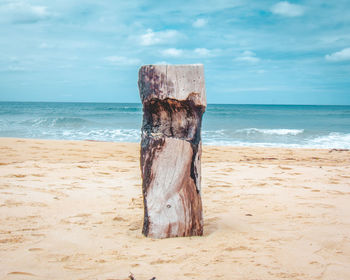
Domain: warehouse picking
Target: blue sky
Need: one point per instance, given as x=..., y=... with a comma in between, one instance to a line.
x=254, y=52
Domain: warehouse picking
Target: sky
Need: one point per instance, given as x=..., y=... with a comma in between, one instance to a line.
x=254, y=52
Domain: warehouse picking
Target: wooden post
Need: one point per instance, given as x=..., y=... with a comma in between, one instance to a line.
x=174, y=100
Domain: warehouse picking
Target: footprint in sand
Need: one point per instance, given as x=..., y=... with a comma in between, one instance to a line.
x=11, y=203
x=191, y=274
x=337, y=192
x=107, y=213
x=240, y=248
x=82, y=166
x=16, y=176
x=21, y=273
x=38, y=175
x=35, y=249
x=38, y=234
x=135, y=226
x=16, y=239
x=119, y=219
x=104, y=173
x=80, y=219
x=284, y=168
x=160, y=261
x=38, y=204
x=58, y=258
x=136, y=202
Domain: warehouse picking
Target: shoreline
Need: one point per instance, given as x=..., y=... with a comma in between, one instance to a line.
x=72, y=209
x=204, y=145
x=94, y=150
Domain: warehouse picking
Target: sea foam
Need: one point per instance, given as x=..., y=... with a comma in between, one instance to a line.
x=236, y=125
x=278, y=131
x=332, y=140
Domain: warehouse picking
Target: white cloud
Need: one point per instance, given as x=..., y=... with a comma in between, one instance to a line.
x=248, y=56
x=172, y=52
x=287, y=9
x=39, y=11
x=14, y=68
x=162, y=63
x=200, y=23
x=190, y=53
x=202, y=52
x=122, y=60
x=13, y=64
x=154, y=38
x=21, y=12
x=342, y=55
x=260, y=71
x=45, y=45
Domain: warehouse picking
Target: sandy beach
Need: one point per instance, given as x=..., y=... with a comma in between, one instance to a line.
x=73, y=210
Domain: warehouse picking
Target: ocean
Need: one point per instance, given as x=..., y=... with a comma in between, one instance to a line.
x=237, y=125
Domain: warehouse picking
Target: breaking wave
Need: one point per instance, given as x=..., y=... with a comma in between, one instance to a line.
x=332, y=140
x=279, y=131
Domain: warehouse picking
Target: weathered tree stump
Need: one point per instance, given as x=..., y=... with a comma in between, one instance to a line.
x=174, y=101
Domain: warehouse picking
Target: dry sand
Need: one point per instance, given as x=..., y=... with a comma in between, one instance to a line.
x=73, y=210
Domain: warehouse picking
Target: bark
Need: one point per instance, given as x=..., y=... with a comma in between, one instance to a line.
x=174, y=101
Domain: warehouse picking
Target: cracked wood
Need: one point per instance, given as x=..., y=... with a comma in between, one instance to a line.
x=174, y=101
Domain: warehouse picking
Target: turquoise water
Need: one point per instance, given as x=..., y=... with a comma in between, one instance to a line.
x=239, y=125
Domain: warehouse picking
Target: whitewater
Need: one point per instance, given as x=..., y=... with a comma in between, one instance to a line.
x=292, y=126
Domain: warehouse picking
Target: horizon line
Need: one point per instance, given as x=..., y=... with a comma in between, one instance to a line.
x=106, y=102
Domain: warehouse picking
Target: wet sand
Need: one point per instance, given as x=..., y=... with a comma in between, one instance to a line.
x=73, y=210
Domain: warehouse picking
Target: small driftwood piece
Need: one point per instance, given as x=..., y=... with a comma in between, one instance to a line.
x=174, y=100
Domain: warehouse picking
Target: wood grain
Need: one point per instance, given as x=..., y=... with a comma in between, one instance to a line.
x=174, y=101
